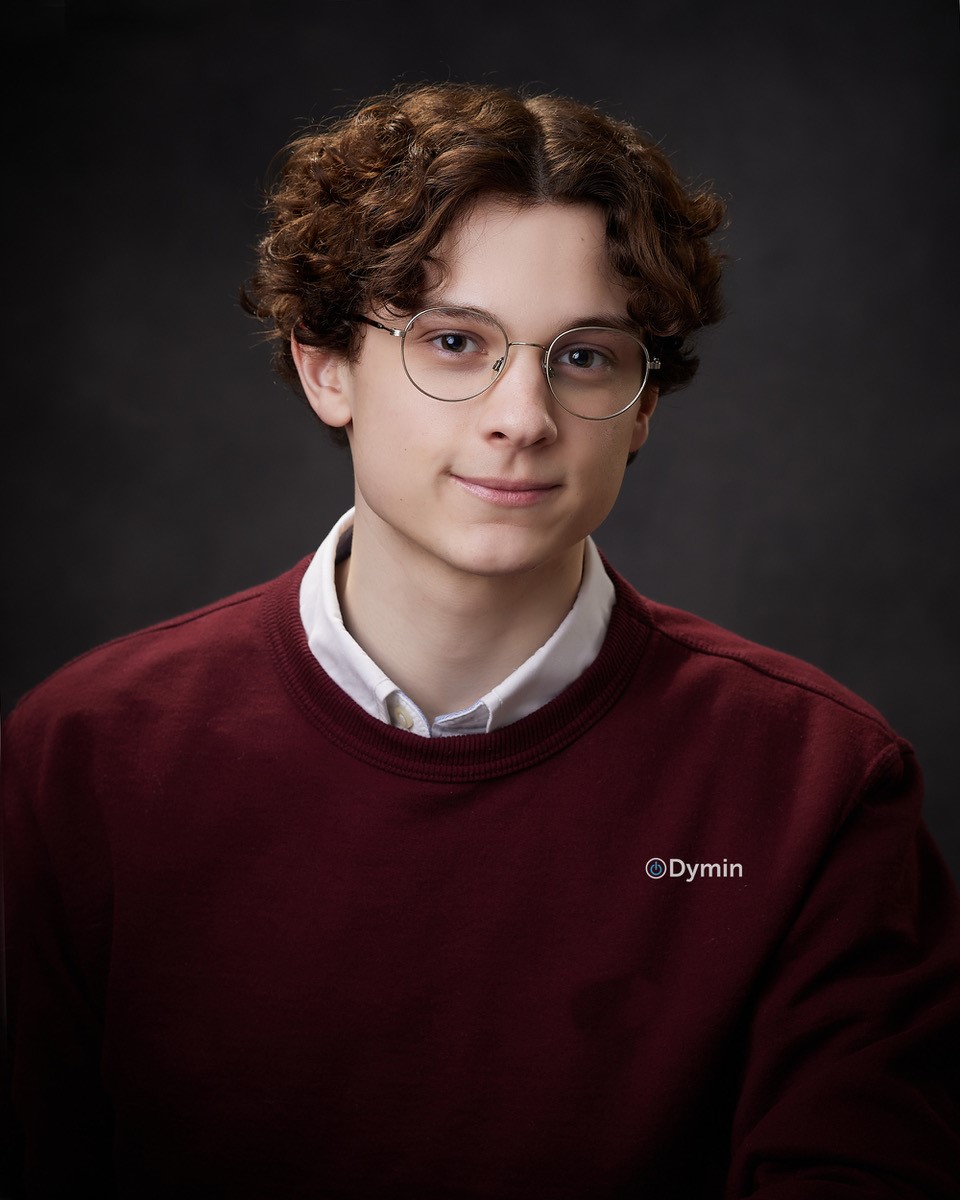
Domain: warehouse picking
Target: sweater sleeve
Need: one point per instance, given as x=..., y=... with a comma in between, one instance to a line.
x=56, y=931
x=851, y=1070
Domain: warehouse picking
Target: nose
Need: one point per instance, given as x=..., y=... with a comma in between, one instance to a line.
x=520, y=406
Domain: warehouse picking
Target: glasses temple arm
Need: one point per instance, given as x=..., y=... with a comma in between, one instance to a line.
x=376, y=325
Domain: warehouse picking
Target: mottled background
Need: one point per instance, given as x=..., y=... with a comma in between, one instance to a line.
x=803, y=491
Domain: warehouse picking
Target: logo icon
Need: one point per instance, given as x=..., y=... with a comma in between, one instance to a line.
x=656, y=868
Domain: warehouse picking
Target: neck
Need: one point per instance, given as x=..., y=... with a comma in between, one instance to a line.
x=445, y=636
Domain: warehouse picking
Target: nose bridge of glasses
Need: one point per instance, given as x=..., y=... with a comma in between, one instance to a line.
x=501, y=362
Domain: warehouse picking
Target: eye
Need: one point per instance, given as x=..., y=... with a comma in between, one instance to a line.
x=455, y=341
x=583, y=358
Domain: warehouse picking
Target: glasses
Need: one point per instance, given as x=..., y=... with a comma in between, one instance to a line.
x=454, y=354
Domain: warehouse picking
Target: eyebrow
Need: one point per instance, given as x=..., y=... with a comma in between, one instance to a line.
x=467, y=310
x=606, y=320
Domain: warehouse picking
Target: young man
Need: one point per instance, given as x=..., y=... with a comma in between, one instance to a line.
x=446, y=865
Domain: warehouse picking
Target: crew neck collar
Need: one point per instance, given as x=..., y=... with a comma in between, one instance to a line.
x=471, y=756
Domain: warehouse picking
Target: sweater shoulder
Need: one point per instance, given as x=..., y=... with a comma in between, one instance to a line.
x=217, y=637
x=753, y=676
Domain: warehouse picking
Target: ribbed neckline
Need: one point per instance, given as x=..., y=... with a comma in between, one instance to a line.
x=472, y=756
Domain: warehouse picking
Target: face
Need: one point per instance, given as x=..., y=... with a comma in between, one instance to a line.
x=508, y=481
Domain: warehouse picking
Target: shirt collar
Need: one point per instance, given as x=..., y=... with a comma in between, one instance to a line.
x=558, y=662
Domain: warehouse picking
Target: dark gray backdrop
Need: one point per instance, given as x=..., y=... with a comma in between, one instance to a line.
x=803, y=491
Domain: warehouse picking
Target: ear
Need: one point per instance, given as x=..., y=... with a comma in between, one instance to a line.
x=645, y=406
x=325, y=377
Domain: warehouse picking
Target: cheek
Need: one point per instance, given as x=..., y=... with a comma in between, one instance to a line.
x=398, y=454
x=383, y=426
x=382, y=466
x=602, y=476
x=609, y=445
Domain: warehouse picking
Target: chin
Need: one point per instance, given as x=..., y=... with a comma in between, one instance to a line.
x=497, y=554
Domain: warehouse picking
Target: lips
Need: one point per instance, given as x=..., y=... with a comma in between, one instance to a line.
x=511, y=493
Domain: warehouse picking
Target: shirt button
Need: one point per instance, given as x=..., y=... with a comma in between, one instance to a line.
x=402, y=718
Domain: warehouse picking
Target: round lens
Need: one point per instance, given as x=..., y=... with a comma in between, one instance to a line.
x=597, y=372
x=453, y=353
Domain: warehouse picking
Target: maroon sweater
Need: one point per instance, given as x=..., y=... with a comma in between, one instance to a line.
x=266, y=946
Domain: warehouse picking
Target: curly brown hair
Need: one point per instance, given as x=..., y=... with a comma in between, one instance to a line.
x=358, y=210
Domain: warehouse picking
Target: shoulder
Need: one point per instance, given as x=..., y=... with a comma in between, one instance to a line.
x=163, y=663
x=755, y=666
x=720, y=686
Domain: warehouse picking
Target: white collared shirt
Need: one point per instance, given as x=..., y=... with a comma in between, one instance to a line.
x=560, y=660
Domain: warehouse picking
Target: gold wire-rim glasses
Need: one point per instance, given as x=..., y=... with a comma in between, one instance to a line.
x=651, y=363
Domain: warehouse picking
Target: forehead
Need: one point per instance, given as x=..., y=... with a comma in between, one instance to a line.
x=546, y=262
